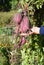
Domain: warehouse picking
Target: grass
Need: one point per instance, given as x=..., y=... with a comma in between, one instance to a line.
x=5, y=18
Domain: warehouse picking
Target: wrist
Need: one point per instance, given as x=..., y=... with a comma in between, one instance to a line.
x=42, y=30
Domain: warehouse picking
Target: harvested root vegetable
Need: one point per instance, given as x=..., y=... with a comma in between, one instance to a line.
x=22, y=41
x=24, y=26
x=17, y=18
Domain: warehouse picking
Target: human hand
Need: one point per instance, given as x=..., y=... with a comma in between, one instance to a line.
x=33, y=30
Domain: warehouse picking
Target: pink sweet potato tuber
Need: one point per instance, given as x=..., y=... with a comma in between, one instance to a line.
x=24, y=26
x=17, y=18
x=22, y=41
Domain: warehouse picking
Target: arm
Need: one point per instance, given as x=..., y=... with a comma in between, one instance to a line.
x=38, y=30
x=42, y=30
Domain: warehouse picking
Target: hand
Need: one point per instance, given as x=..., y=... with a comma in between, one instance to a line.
x=34, y=30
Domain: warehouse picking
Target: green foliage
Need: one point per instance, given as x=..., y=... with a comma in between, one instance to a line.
x=14, y=4
x=5, y=18
x=4, y=59
x=31, y=53
x=32, y=3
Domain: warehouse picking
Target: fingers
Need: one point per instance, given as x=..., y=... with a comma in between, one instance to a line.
x=24, y=34
x=30, y=32
x=34, y=30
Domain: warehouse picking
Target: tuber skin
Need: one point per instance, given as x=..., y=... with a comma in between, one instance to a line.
x=22, y=41
x=22, y=26
x=17, y=30
x=17, y=18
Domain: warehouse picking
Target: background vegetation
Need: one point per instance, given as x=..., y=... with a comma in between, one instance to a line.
x=31, y=53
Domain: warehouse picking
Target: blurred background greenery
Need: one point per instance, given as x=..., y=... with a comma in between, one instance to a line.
x=31, y=53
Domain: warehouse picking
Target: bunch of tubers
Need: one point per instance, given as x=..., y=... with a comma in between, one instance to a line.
x=22, y=25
